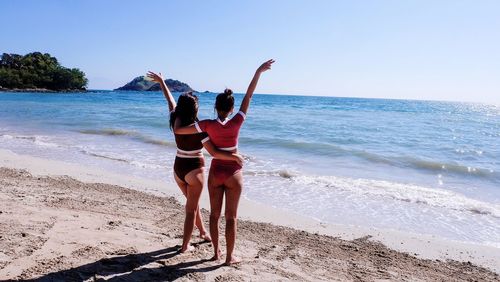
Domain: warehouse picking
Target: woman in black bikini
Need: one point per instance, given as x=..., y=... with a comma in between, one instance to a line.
x=189, y=163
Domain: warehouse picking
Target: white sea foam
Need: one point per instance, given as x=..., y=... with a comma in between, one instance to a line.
x=41, y=142
x=104, y=156
x=36, y=139
x=402, y=192
x=147, y=165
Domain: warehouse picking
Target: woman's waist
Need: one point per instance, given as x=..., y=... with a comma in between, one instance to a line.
x=233, y=150
x=219, y=162
x=196, y=153
x=230, y=148
x=186, y=159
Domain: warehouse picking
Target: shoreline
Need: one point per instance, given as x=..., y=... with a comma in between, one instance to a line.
x=421, y=246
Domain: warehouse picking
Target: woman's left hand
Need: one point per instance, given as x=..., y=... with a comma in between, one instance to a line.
x=156, y=77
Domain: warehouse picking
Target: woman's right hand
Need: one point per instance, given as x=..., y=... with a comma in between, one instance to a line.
x=265, y=66
x=238, y=159
x=156, y=77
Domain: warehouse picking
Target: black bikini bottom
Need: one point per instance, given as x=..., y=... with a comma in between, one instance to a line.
x=183, y=166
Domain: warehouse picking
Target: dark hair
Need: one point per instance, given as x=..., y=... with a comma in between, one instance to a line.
x=186, y=110
x=225, y=101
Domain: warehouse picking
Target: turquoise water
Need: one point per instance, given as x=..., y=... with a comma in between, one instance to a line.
x=416, y=166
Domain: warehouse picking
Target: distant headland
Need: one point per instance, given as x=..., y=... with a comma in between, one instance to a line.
x=38, y=72
x=141, y=83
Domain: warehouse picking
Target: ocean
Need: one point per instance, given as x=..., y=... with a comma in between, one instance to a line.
x=423, y=167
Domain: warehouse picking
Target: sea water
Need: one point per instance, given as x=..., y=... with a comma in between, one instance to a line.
x=415, y=166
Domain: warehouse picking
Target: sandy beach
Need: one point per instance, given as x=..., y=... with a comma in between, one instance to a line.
x=60, y=228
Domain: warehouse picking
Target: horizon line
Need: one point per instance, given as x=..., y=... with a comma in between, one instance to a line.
x=325, y=96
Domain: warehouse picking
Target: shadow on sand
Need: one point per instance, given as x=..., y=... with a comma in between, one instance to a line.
x=125, y=268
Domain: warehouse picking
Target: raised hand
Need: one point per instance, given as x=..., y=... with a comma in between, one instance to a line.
x=265, y=66
x=245, y=103
x=156, y=77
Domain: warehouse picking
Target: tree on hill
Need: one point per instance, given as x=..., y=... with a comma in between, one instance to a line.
x=37, y=70
x=141, y=83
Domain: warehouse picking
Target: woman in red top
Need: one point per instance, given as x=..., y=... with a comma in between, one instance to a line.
x=225, y=176
x=189, y=163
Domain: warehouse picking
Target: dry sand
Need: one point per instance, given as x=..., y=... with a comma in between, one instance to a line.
x=58, y=228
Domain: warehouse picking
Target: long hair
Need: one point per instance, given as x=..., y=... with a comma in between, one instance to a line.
x=225, y=101
x=186, y=110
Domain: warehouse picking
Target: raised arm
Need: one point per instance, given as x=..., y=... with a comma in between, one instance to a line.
x=253, y=84
x=223, y=155
x=157, y=77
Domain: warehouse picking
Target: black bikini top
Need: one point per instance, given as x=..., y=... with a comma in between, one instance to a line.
x=190, y=142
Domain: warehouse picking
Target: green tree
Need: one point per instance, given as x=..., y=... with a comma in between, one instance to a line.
x=37, y=70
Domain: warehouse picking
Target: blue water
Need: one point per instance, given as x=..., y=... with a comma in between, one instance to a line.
x=416, y=166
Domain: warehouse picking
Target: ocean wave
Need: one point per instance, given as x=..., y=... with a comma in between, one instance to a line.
x=100, y=155
x=36, y=139
x=401, y=192
x=131, y=162
x=369, y=188
x=153, y=141
x=429, y=165
x=323, y=148
x=147, y=165
x=143, y=138
x=108, y=131
x=398, y=161
x=451, y=167
x=284, y=173
x=46, y=144
x=132, y=134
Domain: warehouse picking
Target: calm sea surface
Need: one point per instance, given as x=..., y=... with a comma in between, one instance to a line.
x=416, y=166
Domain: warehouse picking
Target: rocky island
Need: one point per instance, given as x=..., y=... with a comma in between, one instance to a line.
x=141, y=83
x=38, y=72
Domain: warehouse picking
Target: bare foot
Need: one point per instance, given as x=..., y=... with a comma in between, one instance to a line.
x=232, y=260
x=189, y=248
x=205, y=237
x=217, y=256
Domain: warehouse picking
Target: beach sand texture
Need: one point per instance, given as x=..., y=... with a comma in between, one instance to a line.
x=58, y=228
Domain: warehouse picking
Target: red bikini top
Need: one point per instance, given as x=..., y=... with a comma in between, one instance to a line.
x=223, y=134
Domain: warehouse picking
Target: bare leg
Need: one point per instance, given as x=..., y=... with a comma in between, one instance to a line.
x=216, y=193
x=199, y=219
x=194, y=187
x=199, y=224
x=233, y=185
x=182, y=185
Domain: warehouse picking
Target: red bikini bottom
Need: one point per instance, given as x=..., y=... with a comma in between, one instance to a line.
x=221, y=170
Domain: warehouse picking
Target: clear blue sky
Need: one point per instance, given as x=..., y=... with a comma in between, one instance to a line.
x=416, y=49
